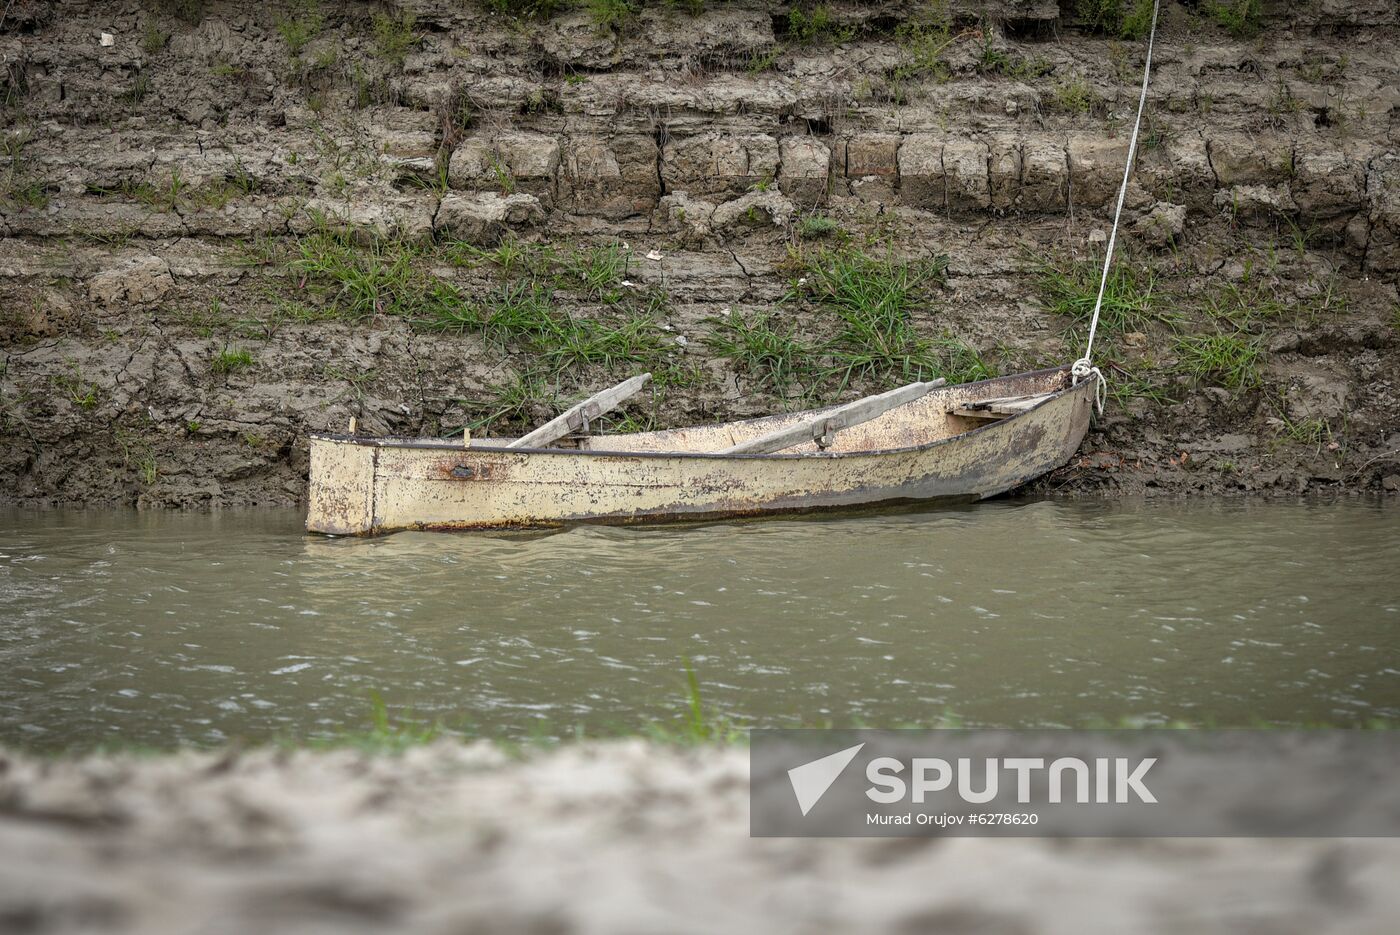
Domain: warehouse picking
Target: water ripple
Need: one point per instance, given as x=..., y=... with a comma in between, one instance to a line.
x=164, y=628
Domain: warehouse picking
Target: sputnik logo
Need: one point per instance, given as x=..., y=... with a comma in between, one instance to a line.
x=811, y=780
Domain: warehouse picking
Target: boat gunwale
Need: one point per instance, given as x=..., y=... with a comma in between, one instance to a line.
x=389, y=441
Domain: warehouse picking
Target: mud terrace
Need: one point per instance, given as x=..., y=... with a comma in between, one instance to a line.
x=225, y=224
x=607, y=838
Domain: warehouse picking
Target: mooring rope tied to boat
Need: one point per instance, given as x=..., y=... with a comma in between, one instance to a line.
x=1084, y=368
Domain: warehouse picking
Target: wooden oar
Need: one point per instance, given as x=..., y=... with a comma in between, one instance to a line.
x=822, y=428
x=578, y=416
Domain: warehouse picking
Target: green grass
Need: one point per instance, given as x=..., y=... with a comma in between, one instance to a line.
x=385, y=733
x=513, y=402
x=960, y=362
x=816, y=25
x=1240, y=18
x=991, y=60
x=231, y=360
x=924, y=40
x=153, y=38
x=394, y=36
x=19, y=187
x=872, y=299
x=80, y=392
x=19, y=191
x=523, y=311
x=1228, y=360
x=767, y=350
x=1244, y=306
x=512, y=256
x=1073, y=95
x=1130, y=301
x=1313, y=433
x=301, y=22
x=696, y=725
x=598, y=270
x=1125, y=19
x=863, y=287
x=764, y=60
x=140, y=87
x=625, y=423
x=542, y=9
x=176, y=193
x=361, y=275
x=817, y=226
x=206, y=320
x=1143, y=384
x=605, y=343
x=1259, y=299
x=505, y=179
x=520, y=309
x=610, y=14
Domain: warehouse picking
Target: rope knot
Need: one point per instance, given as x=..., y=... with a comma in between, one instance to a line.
x=1083, y=369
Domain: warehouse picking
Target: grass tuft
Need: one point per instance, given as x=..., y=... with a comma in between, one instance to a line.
x=697, y=725
x=610, y=14
x=513, y=402
x=394, y=36
x=817, y=226
x=1240, y=18
x=153, y=38
x=1228, y=360
x=924, y=39
x=542, y=9
x=523, y=310
x=231, y=360
x=770, y=352
x=301, y=22
x=1313, y=432
x=360, y=279
x=816, y=25
x=874, y=299
x=19, y=188
x=1130, y=301
x=1073, y=95
x=1125, y=19
x=599, y=270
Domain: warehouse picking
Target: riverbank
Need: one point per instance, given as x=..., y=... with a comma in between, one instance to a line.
x=228, y=226
x=624, y=836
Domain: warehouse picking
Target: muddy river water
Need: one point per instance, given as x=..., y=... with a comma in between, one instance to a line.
x=158, y=629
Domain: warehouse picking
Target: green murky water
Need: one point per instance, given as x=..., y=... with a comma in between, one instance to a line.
x=158, y=629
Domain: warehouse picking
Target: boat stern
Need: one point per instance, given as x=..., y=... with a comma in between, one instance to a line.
x=341, y=495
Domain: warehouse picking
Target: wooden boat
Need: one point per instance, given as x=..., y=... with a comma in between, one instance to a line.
x=926, y=441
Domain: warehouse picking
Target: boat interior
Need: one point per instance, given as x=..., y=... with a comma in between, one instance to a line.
x=934, y=413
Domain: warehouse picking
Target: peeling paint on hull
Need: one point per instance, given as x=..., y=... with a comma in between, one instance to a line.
x=918, y=452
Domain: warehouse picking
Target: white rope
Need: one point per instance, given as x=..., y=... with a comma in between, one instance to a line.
x=1084, y=367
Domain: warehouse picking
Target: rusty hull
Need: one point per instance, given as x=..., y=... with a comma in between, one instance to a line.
x=918, y=451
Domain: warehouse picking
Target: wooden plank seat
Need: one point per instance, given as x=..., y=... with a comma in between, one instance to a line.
x=822, y=429
x=1000, y=408
x=578, y=417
